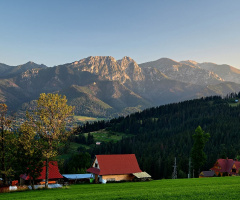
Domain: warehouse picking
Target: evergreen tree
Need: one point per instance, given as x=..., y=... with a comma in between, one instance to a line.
x=197, y=153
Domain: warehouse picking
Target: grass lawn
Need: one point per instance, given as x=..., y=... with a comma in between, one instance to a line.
x=205, y=188
x=106, y=136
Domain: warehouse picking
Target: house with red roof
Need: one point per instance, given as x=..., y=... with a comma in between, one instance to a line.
x=118, y=167
x=54, y=175
x=226, y=167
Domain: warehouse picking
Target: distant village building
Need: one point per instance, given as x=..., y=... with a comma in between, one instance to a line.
x=226, y=167
x=205, y=174
x=54, y=175
x=119, y=167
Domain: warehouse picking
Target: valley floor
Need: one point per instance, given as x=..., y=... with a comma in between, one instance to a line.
x=205, y=188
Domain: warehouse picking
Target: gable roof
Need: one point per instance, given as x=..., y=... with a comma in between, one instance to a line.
x=115, y=164
x=53, y=172
x=226, y=165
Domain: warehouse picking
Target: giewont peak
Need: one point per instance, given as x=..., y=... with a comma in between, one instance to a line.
x=126, y=61
x=189, y=62
x=106, y=58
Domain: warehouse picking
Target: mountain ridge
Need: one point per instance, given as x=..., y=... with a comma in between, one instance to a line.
x=116, y=85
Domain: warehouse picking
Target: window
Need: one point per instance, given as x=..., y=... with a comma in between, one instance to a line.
x=96, y=165
x=234, y=170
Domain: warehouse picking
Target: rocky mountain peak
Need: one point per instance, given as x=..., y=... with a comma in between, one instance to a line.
x=189, y=62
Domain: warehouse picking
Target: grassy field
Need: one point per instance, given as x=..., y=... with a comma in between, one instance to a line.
x=85, y=118
x=208, y=188
x=106, y=136
x=99, y=136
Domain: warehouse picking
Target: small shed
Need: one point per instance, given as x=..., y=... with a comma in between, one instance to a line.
x=205, y=174
x=142, y=176
x=77, y=178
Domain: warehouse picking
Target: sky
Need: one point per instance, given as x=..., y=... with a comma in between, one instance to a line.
x=54, y=32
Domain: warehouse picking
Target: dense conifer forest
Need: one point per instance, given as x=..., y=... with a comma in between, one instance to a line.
x=165, y=132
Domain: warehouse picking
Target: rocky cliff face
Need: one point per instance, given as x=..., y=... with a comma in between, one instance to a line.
x=184, y=72
x=103, y=86
x=124, y=70
x=226, y=72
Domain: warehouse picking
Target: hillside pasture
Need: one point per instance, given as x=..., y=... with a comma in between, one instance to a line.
x=107, y=136
x=205, y=188
x=79, y=118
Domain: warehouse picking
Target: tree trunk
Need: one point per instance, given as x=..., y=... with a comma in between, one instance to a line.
x=46, y=179
x=32, y=183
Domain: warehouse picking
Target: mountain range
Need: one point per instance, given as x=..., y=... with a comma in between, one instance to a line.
x=101, y=86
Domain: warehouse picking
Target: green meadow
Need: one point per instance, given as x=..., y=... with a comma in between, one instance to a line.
x=205, y=188
x=79, y=118
x=106, y=136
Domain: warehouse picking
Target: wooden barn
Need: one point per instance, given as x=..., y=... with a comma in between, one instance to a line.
x=226, y=167
x=54, y=175
x=119, y=167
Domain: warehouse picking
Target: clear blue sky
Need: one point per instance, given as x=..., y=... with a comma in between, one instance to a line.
x=55, y=32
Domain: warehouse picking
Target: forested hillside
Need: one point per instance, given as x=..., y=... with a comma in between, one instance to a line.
x=165, y=132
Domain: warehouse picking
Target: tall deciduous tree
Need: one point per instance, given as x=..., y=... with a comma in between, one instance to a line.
x=29, y=154
x=52, y=115
x=5, y=139
x=197, y=153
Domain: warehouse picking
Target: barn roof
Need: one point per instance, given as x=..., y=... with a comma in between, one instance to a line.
x=225, y=165
x=115, y=164
x=53, y=172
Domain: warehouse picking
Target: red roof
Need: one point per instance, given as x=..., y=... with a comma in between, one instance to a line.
x=116, y=164
x=94, y=170
x=53, y=172
x=226, y=165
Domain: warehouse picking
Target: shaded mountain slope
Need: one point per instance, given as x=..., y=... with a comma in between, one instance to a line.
x=104, y=86
x=7, y=71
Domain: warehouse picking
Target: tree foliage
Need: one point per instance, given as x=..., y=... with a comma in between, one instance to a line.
x=165, y=132
x=198, y=156
x=77, y=163
x=52, y=115
x=29, y=151
x=7, y=144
